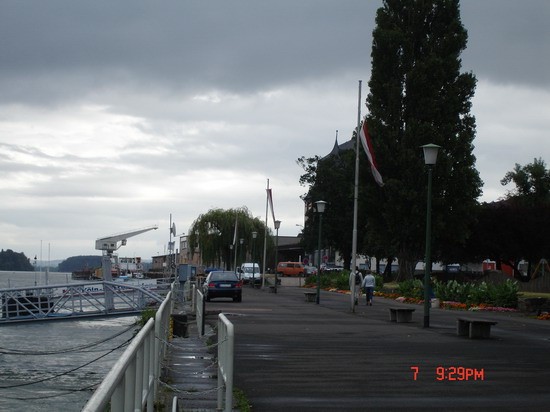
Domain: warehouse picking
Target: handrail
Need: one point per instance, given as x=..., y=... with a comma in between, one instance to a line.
x=200, y=309
x=86, y=299
x=132, y=383
x=226, y=339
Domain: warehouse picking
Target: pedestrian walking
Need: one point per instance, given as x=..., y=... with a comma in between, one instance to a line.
x=355, y=281
x=368, y=284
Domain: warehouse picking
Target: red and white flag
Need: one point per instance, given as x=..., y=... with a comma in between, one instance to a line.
x=270, y=202
x=367, y=145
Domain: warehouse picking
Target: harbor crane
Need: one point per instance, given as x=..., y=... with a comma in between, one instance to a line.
x=110, y=244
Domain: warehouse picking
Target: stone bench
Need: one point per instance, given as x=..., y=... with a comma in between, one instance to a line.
x=401, y=315
x=474, y=328
x=310, y=296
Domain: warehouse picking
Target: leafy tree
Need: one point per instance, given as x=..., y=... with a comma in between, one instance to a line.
x=508, y=231
x=331, y=179
x=418, y=96
x=75, y=263
x=516, y=227
x=212, y=234
x=532, y=182
x=10, y=260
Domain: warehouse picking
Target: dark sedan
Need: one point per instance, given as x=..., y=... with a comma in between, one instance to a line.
x=223, y=284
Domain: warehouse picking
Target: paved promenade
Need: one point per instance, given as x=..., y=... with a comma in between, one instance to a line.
x=291, y=355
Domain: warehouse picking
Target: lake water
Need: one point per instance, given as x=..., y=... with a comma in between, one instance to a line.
x=56, y=365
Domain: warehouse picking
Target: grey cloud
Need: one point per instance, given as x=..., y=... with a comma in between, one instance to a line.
x=50, y=48
x=508, y=40
x=175, y=96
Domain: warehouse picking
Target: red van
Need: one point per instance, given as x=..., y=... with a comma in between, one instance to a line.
x=290, y=269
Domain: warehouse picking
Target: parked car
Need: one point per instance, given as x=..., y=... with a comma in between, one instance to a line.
x=290, y=269
x=331, y=267
x=222, y=284
x=310, y=270
x=249, y=270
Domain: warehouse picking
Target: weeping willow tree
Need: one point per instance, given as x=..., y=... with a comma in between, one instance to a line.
x=213, y=236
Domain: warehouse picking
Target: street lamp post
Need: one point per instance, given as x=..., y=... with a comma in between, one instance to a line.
x=277, y=226
x=320, y=210
x=254, y=234
x=430, y=158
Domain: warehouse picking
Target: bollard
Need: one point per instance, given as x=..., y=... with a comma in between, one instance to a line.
x=180, y=324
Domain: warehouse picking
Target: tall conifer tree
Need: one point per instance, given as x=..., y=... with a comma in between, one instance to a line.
x=417, y=96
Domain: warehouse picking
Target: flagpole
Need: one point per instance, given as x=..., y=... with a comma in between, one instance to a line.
x=265, y=232
x=235, y=242
x=355, y=201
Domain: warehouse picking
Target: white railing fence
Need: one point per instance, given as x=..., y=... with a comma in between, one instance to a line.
x=226, y=342
x=75, y=300
x=132, y=383
x=193, y=299
x=200, y=312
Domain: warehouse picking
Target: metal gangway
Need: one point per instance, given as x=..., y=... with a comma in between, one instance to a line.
x=77, y=300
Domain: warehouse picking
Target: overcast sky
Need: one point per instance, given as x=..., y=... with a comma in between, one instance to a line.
x=116, y=114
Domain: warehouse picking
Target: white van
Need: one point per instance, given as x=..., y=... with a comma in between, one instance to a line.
x=249, y=270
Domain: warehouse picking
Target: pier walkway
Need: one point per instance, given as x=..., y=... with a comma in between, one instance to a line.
x=294, y=355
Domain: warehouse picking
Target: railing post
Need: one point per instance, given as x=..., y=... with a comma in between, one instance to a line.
x=130, y=386
x=139, y=374
x=226, y=338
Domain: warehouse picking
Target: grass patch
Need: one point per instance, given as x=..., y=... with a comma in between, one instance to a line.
x=241, y=401
x=145, y=315
x=533, y=295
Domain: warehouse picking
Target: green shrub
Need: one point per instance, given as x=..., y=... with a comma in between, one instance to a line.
x=452, y=291
x=341, y=281
x=479, y=293
x=329, y=280
x=411, y=288
x=501, y=295
x=326, y=281
x=379, y=282
x=145, y=315
x=505, y=294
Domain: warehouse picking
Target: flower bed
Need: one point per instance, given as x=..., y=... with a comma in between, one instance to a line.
x=447, y=304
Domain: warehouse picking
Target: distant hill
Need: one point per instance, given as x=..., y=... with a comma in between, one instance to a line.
x=76, y=263
x=88, y=262
x=10, y=260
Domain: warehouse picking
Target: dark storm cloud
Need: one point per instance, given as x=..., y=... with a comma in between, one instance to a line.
x=116, y=113
x=63, y=47
x=509, y=40
x=54, y=50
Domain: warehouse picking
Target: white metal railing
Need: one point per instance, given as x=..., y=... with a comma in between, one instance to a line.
x=75, y=299
x=226, y=343
x=132, y=383
x=200, y=312
x=187, y=290
x=193, y=298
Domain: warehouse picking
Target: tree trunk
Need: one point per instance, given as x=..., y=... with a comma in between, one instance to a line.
x=388, y=275
x=407, y=264
x=347, y=262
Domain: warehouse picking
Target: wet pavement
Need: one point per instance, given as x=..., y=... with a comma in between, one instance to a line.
x=294, y=355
